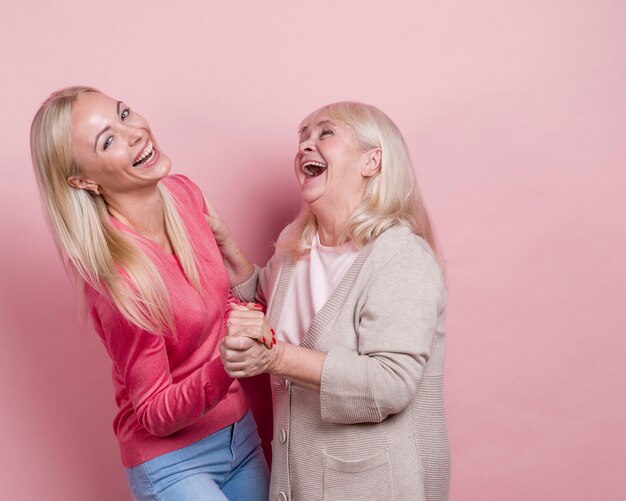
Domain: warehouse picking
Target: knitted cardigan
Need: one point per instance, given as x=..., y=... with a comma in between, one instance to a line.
x=376, y=429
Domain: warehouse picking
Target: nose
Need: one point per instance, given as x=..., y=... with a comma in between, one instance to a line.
x=305, y=146
x=135, y=135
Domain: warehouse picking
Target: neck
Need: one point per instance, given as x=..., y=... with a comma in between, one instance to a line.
x=332, y=213
x=331, y=225
x=140, y=210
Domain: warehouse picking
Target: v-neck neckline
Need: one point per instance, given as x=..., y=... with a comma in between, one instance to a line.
x=331, y=306
x=122, y=226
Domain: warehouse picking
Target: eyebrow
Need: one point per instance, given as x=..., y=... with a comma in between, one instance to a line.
x=319, y=124
x=95, y=143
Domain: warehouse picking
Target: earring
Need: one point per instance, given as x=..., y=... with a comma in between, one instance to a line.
x=95, y=190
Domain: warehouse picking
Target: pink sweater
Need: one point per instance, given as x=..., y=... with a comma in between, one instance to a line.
x=172, y=392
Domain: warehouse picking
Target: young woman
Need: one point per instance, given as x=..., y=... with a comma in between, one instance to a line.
x=356, y=295
x=138, y=243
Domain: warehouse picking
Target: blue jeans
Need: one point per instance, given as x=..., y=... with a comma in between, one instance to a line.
x=227, y=465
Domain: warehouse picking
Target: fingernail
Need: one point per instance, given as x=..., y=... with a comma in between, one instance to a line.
x=273, y=332
x=263, y=339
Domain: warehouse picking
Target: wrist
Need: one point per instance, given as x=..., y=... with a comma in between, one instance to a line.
x=276, y=361
x=239, y=272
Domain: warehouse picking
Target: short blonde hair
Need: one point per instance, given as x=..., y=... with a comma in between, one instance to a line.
x=392, y=195
x=105, y=258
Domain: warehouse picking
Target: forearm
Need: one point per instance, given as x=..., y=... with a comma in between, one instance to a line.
x=299, y=365
x=238, y=266
x=177, y=405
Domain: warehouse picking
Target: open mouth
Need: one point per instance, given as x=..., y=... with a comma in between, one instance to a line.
x=145, y=156
x=313, y=169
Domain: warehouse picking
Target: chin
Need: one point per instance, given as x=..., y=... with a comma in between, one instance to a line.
x=163, y=168
x=310, y=198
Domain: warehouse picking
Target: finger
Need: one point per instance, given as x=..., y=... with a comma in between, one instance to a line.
x=243, y=366
x=238, y=311
x=238, y=343
x=230, y=357
x=259, y=333
x=237, y=321
x=249, y=322
x=212, y=214
x=238, y=307
x=238, y=374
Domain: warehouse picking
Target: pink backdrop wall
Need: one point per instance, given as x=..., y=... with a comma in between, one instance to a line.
x=515, y=114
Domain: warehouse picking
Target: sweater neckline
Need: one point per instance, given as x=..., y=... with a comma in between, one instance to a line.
x=154, y=245
x=333, y=304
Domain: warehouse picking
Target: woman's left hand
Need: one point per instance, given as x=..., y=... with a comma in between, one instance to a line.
x=243, y=351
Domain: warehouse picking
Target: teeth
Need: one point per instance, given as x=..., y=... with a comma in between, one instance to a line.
x=313, y=169
x=145, y=155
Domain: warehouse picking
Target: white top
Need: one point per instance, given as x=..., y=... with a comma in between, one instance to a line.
x=315, y=277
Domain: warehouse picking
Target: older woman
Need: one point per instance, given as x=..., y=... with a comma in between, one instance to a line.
x=156, y=287
x=356, y=295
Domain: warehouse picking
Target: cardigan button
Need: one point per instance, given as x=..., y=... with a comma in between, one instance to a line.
x=282, y=496
x=283, y=435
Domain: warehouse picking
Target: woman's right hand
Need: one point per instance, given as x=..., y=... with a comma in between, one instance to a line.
x=220, y=230
x=243, y=353
x=250, y=347
x=238, y=266
x=248, y=320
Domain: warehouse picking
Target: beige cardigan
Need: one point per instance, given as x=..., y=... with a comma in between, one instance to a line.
x=376, y=430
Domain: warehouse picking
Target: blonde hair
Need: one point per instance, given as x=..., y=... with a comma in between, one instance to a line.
x=112, y=262
x=392, y=195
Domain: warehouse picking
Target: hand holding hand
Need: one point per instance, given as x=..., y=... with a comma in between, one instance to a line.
x=247, y=350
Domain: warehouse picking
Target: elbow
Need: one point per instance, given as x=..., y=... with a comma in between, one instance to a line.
x=157, y=425
x=160, y=430
x=395, y=390
x=393, y=402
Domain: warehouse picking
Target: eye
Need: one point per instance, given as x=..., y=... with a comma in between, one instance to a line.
x=107, y=142
x=124, y=114
x=326, y=132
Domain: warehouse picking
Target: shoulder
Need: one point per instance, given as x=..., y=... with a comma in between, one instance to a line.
x=184, y=190
x=400, y=247
x=284, y=243
x=286, y=232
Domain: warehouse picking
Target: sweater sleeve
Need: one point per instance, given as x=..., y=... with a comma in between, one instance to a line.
x=162, y=405
x=247, y=291
x=256, y=288
x=395, y=331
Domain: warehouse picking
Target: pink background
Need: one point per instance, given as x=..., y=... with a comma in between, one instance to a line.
x=515, y=114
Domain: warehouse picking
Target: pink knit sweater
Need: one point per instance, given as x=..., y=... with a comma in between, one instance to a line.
x=172, y=392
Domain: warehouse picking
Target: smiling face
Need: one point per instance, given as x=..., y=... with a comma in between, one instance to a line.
x=113, y=146
x=331, y=165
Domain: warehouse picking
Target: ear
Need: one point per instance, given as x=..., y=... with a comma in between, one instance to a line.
x=373, y=159
x=83, y=184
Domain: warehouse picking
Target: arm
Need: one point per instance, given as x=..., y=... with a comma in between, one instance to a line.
x=239, y=268
x=397, y=324
x=161, y=405
x=243, y=354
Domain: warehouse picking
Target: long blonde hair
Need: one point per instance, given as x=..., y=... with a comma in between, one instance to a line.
x=113, y=263
x=392, y=195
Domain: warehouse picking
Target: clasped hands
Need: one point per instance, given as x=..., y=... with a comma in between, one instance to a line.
x=250, y=347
